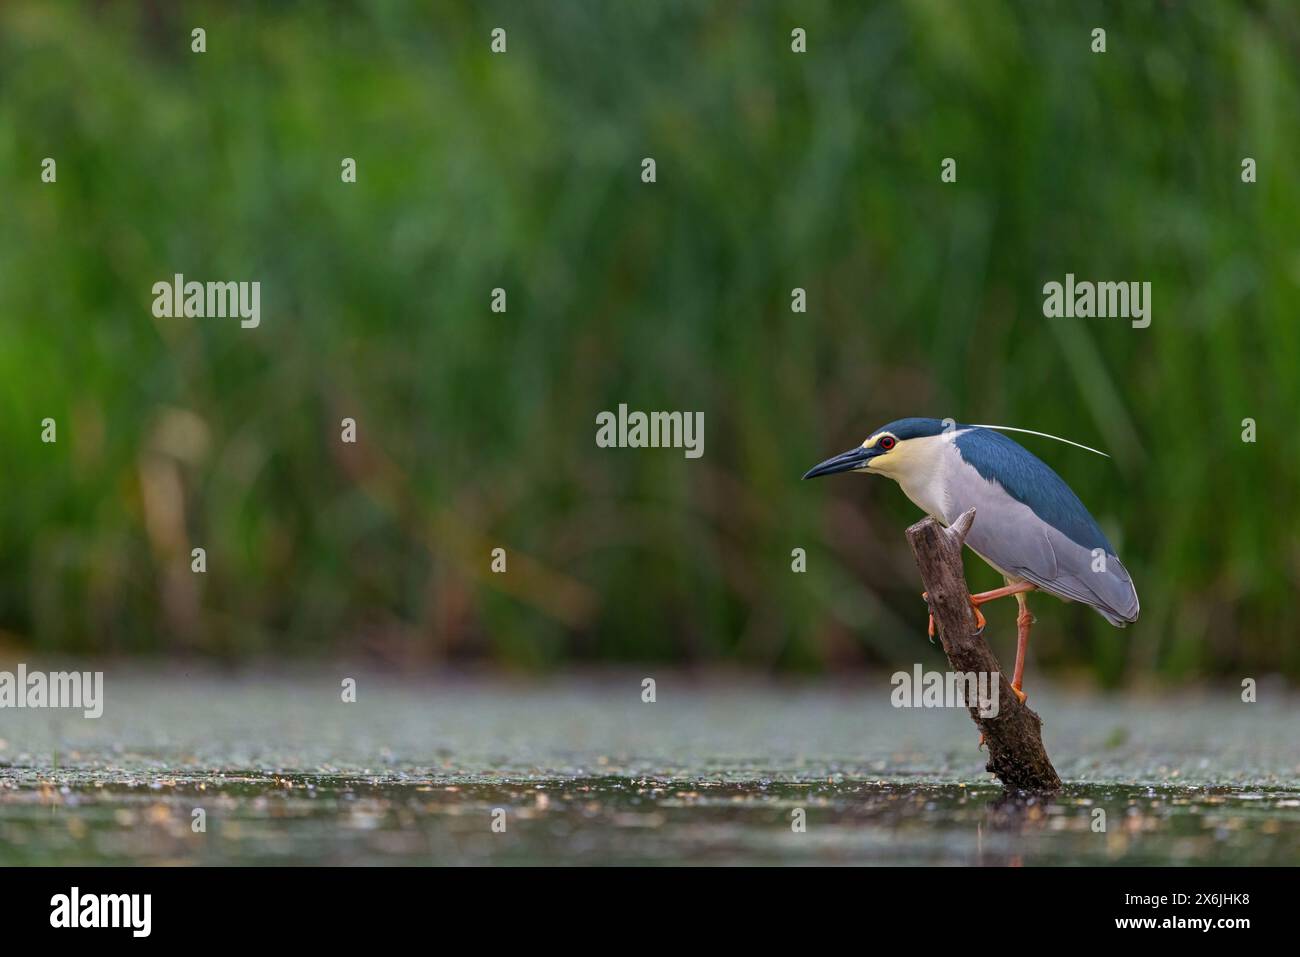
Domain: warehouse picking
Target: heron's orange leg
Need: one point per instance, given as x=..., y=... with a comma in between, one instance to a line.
x=1023, y=621
x=1003, y=592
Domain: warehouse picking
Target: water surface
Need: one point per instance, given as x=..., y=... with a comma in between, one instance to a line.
x=581, y=770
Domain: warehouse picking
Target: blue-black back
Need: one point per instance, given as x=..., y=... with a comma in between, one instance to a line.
x=1031, y=481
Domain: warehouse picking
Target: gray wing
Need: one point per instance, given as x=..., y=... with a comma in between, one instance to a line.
x=1010, y=537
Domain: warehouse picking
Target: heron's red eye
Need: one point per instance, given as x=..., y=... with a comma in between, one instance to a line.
x=887, y=442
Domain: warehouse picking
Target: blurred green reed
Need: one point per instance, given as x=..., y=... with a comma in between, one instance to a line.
x=775, y=171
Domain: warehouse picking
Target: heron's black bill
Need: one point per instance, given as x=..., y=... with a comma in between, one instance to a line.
x=844, y=462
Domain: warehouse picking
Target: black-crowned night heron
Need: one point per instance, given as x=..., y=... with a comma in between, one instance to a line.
x=1030, y=526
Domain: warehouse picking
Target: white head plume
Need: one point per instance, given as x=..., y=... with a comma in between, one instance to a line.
x=1011, y=428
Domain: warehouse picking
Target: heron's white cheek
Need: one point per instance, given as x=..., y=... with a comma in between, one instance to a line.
x=900, y=464
x=918, y=467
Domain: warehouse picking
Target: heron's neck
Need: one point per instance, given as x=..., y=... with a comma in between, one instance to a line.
x=921, y=472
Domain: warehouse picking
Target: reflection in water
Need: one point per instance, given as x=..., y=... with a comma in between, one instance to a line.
x=412, y=815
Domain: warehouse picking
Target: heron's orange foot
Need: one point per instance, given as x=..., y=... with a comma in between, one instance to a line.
x=979, y=616
x=1020, y=694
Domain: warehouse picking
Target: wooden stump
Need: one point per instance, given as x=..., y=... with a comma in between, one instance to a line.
x=1014, y=737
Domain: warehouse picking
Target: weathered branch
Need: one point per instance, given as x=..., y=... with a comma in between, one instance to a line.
x=1014, y=737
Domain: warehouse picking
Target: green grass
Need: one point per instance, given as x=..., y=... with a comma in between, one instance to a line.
x=775, y=170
